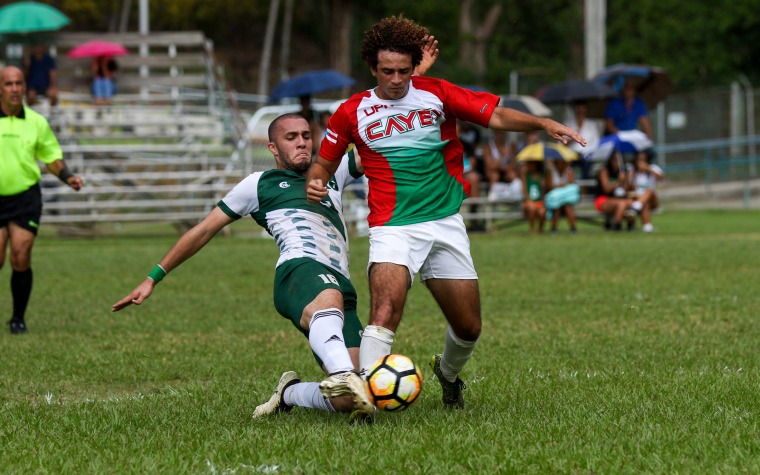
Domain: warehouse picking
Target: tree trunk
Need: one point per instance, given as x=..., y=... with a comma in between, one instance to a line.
x=474, y=37
x=266, y=54
x=341, y=23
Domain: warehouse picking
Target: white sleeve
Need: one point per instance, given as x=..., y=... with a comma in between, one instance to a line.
x=343, y=175
x=243, y=199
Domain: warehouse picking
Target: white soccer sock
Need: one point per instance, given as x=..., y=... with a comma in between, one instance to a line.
x=326, y=340
x=376, y=343
x=306, y=395
x=456, y=354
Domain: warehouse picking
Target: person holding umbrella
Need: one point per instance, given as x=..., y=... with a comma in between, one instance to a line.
x=104, y=79
x=627, y=112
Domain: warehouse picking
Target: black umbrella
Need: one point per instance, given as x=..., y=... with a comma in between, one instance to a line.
x=527, y=104
x=652, y=83
x=568, y=92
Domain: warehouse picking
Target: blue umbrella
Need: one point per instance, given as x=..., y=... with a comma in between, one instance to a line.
x=310, y=83
x=652, y=83
x=624, y=141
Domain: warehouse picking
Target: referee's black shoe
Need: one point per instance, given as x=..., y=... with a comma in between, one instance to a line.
x=17, y=326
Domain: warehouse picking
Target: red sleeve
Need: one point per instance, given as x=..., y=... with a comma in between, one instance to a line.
x=340, y=128
x=467, y=105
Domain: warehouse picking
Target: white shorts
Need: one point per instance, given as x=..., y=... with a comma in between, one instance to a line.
x=437, y=249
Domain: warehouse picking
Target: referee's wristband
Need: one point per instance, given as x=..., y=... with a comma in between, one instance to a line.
x=157, y=274
x=65, y=174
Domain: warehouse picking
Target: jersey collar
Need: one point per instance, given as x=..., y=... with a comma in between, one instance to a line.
x=21, y=114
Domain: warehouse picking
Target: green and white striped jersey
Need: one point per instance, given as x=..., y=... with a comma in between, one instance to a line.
x=276, y=199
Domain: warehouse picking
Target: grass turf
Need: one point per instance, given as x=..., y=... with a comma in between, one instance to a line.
x=601, y=352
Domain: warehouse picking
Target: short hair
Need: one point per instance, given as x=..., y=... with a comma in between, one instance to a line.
x=276, y=123
x=396, y=34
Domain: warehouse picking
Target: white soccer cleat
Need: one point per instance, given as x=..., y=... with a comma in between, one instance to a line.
x=276, y=403
x=351, y=384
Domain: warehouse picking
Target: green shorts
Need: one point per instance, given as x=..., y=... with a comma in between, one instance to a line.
x=297, y=283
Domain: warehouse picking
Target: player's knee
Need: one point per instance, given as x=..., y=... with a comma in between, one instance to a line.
x=468, y=330
x=342, y=404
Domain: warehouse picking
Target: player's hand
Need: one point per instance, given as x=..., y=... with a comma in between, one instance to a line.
x=137, y=296
x=429, y=55
x=75, y=182
x=315, y=191
x=558, y=131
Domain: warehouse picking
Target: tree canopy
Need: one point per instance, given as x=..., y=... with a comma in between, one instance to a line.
x=701, y=43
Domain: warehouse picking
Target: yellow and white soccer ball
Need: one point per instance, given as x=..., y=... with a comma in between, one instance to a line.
x=394, y=382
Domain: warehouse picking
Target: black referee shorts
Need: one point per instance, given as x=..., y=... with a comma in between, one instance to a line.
x=24, y=209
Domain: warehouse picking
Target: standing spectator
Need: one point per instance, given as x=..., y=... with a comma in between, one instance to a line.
x=104, y=70
x=627, y=112
x=25, y=137
x=318, y=131
x=414, y=162
x=41, y=76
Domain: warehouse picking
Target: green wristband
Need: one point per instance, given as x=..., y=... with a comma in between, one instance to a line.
x=157, y=274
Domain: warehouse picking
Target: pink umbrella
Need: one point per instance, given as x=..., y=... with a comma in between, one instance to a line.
x=97, y=48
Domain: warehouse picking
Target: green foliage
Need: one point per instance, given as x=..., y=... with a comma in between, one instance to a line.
x=701, y=43
x=601, y=352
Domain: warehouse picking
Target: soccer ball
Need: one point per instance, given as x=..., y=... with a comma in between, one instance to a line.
x=394, y=383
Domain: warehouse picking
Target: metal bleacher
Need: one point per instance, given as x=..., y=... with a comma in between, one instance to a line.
x=155, y=154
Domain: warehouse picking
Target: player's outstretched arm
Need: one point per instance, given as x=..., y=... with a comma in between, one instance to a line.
x=190, y=243
x=504, y=118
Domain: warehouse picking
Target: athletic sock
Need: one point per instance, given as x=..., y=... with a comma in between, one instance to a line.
x=376, y=343
x=21, y=289
x=326, y=340
x=456, y=353
x=306, y=395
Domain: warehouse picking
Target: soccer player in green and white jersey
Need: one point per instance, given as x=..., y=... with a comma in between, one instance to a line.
x=312, y=286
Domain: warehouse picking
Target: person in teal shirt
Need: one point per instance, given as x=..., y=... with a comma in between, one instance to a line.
x=25, y=137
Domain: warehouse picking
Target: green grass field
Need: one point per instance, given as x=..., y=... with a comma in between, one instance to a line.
x=601, y=353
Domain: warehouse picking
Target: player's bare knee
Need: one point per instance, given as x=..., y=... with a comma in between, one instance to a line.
x=342, y=404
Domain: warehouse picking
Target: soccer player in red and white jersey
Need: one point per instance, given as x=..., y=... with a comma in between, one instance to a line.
x=405, y=132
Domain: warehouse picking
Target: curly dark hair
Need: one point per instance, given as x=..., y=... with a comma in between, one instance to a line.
x=396, y=34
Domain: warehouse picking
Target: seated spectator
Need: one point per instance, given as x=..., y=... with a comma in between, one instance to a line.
x=627, y=112
x=104, y=79
x=643, y=182
x=469, y=136
x=590, y=129
x=534, y=186
x=561, y=177
x=41, y=76
x=501, y=168
x=611, y=192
